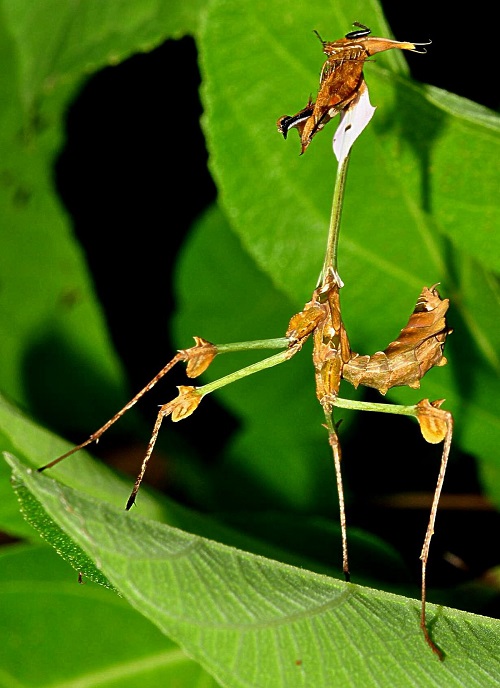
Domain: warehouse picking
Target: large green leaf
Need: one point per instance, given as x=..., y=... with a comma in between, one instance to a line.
x=268, y=534
x=100, y=639
x=251, y=621
x=37, y=446
x=50, y=324
x=419, y=207
x=52, y=332
x=59, y=40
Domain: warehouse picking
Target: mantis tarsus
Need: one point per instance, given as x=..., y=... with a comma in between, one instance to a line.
x=404, y=362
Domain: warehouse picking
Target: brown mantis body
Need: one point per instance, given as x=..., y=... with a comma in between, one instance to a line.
x=405, y=361
x=340, y=81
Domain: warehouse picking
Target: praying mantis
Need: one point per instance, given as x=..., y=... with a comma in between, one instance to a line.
x=419, y=347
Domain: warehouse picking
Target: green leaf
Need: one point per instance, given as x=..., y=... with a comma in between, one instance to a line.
x=100, y=639
x=462, y=197
x=58, y=40
x=420, y=198
x=51, y=327
x=285, y=625
x=52, y=330
x=37, y=446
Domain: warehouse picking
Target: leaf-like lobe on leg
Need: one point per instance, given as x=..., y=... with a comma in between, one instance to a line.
x=184, y=404
x=433, y=420
x=199, y=357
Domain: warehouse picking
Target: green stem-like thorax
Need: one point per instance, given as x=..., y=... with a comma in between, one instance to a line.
x=334, y=229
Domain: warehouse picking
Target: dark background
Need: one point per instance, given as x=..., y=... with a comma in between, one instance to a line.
x=123, y=172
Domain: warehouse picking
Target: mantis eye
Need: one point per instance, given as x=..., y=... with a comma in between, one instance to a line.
x=363, y=31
